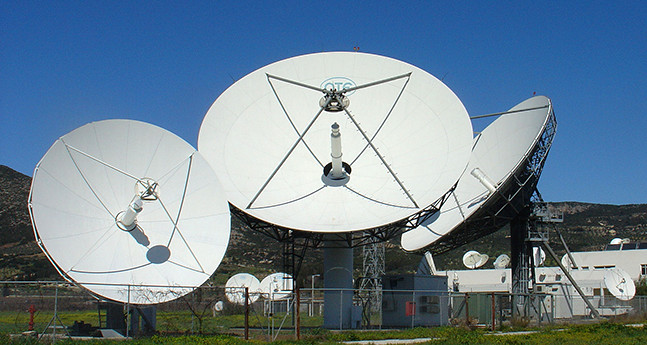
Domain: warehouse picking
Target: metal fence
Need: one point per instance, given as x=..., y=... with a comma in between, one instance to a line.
x=62, y=309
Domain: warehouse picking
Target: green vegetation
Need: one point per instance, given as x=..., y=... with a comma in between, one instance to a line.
x=168, y=322
x=599, y=333
x=641, y=287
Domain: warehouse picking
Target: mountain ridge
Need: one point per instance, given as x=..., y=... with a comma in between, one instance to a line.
x=586, y=226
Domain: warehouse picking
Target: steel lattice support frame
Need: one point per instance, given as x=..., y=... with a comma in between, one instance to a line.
x=521, y=254
x=296, y=242
x=373, y=269
x=336, y=246
x=346, y=239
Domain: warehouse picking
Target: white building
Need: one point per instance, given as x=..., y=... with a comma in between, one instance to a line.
x=563, y=300
x=629, y=256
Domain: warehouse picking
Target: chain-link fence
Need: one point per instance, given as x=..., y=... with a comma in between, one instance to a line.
x=63, y=309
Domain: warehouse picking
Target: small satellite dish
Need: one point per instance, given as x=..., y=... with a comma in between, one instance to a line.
x=502, y=261
x=235, y=288
x=498, y=153
x=427, y=266
x=276, y=138
x=277, y=286
x=430, y=261
x=539, y=256
x=620, y=284
x=616, y=241
x=129, y=211
x=473, y=259
x=219, y=306
x=566, y=262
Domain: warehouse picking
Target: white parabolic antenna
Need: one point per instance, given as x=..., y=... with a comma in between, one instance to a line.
x=502, y=261
x=336, y=142
x=218, y=306
x=473, y=259
x=121, y=202
x=235, y=288
x=620, y=284
x=539, y=256
x=498, y=152
x=277, y=286
x=566, y=261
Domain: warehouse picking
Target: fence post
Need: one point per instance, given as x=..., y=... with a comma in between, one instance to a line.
x=128, y=314
x=246, y=313
x=32, y=310
x=55, y=312
x=413, y=306
x=467, y=309
x=493, y=312
x=341, y=308
x=297, y=313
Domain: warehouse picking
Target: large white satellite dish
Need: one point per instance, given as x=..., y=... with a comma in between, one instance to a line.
x=498, y=152
x=121, y=202
x=502, y=261
x=277, y=286
x=620, y=284
x=473, y=259
x=235, y=288
x=336, y=142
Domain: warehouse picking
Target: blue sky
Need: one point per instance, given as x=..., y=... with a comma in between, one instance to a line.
x=64, y=64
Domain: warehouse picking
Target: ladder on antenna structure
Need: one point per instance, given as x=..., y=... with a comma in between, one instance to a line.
x=538, y=233
x=373, y=270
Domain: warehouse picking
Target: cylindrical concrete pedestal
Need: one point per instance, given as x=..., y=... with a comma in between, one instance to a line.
x=338, y=285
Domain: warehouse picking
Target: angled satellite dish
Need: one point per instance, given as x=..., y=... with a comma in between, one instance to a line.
x=430, y=261
x=129, y=211
x=427, y=266
x=502, y=261
x=235, y=288
x=336, y=142
x=499, y=152
x=567, y=263
x=616, y=241
x=277, y=286
x=620, y=284
x=473, y=259
x=539, y=256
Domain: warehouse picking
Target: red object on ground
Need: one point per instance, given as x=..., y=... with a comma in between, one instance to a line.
x=32, y=310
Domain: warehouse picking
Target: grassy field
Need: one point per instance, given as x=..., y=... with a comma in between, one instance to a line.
x=168, y=322
x=599, y=333
x=176, y=327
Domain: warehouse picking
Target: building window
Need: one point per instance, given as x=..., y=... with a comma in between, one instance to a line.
x=643, y=270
